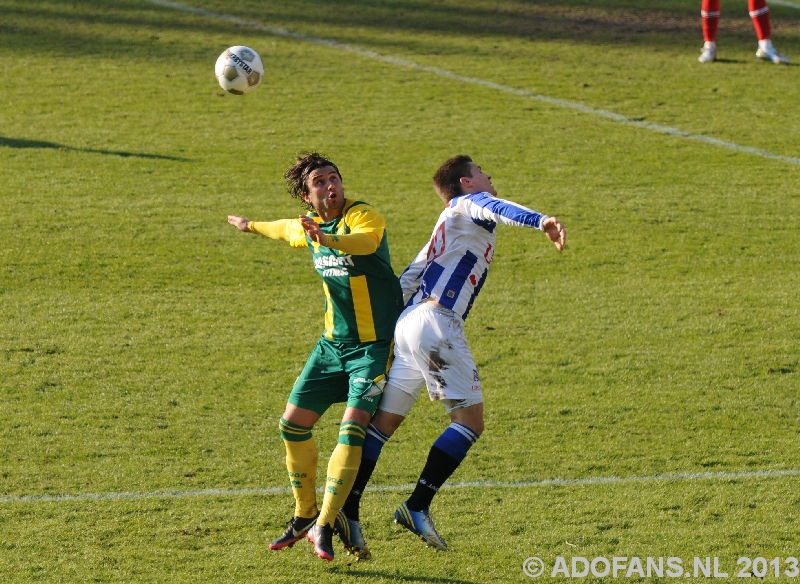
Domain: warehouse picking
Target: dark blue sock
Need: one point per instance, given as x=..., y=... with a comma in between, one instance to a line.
x=456, y=441
x=446, y=454
x=373, y=444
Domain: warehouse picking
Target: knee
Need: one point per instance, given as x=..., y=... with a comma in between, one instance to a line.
x=471, y=417
x=300, y=416
x=356, y=415
x=476, y=426
x=386, y=422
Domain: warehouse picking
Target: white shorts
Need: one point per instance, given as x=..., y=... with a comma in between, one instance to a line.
x=430, y=349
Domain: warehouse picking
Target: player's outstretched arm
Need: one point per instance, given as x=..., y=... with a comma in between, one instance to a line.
x=282, y=229
x=239, y=222
x=555, y=232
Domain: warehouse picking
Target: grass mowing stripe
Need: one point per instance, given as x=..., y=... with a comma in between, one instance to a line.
x=484, y=83
x=769, y=473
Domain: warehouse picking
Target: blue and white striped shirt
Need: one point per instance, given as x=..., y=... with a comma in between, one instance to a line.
x=453, y=265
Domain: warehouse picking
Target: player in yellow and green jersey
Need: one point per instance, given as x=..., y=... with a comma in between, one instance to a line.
x=348, y=244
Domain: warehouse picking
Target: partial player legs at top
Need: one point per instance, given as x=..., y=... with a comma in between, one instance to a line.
x=759, y=13
x=710, y=15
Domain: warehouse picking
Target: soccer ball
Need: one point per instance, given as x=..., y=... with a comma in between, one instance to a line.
x=239, y=70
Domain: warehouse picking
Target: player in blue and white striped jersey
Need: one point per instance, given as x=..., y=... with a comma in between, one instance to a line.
x=439, y=288
x=453, y=265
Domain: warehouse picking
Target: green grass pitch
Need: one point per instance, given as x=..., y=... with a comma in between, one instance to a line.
x=147, y=347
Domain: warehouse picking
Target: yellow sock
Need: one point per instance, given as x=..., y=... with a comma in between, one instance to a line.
x=342, y=470
x=301, y=462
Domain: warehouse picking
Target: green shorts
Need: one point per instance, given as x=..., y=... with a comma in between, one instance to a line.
x=343, y=372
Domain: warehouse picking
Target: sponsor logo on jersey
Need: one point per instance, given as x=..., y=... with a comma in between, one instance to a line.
x=329, y=261
x=332, y=265
x=371, y=389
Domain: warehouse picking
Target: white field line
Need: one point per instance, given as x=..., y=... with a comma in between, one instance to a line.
x=785, y=3
x=482, y=82
x=267, y=491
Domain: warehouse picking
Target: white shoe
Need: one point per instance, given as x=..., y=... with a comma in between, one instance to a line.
x=421, y=524
x=352, y=537
x=708, y=53
x=771, y=54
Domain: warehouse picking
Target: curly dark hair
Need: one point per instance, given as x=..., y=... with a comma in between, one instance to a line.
x=297, y=175
x=447, y=179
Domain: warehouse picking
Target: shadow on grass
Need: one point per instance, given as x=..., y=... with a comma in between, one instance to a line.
x=395, y=577
x=24, y=143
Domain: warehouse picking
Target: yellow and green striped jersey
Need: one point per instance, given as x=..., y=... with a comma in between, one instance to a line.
x=362, y=294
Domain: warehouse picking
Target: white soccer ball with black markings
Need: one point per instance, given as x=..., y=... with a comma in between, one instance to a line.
x=239, y=70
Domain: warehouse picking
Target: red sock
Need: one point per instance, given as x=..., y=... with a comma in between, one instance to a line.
x=710, y=13
x=759, y=12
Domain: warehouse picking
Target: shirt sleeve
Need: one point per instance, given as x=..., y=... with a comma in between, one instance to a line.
x=353, y=243
x=411, y=278
x=483, y=207
x=367, y=227
x=284, y=229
